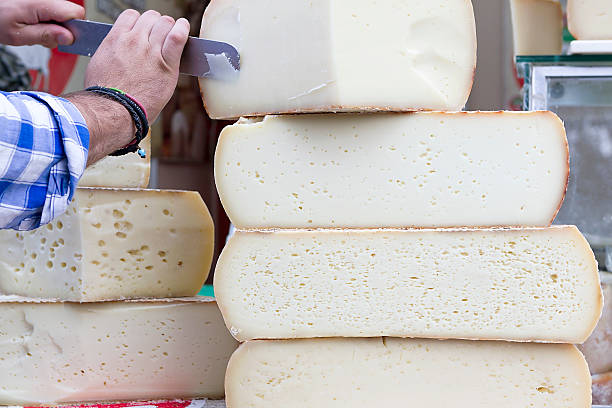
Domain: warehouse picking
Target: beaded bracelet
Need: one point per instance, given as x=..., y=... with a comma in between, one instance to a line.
x=136, y=111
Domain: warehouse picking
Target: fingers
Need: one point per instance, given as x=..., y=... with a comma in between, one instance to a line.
x=175, y=43
x=145, y=23
x=125, y=22
x=57, y=10
x=160, y=31
x=49, y=35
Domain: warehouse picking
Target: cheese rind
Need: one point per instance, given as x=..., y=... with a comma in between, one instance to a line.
x=113, y=244
x=389, y=372
x=56, y=353
x=130, y=171
x=512, y=284
x=537, y=26
x=598, y=348
x=433, y=169
x=359, y=55
x=590, y=19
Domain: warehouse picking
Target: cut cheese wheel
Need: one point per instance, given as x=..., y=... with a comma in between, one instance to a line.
x=590, y=19
x=350, y=55
x=513, y=284
x=390, y=372
x=130, y=171
x=602, y=389
x=68, y=352
x=393, y=170
x=537, y=26
x=113, y=244
x=598, y=348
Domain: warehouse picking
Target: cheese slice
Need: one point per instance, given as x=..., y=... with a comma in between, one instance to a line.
x=602, y=389
x=393, y=170
x=113, y=244
x=68, y=352
x=537, y=26
x=325, y=55
x=390, y=372
x=590, y=19
x=598, y=348
x=130, y=171
x=512, y=284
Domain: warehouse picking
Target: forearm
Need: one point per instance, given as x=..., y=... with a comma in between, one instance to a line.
x=110, y=125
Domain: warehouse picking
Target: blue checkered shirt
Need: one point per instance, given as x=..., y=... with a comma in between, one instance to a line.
x=44, y=143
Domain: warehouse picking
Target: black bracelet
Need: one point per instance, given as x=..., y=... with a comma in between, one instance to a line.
x=137, y=113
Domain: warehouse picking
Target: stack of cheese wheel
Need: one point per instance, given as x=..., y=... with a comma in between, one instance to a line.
x=389, y=256
x=101, y=305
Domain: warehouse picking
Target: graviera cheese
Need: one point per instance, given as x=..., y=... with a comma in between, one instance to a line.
x=507, y=284
x=590, y=19
x=393, y=170
x=390, y=372
x=113, y=244
x=55, y=353
x=346, y=55
x=130, y=171
x=598, y=348
x=537, y=26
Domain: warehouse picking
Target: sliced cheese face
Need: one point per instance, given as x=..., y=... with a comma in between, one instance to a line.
x=537, y=26
x=393, y=170
x=598, y=348
x=113, y=244
x=514, y=284
x=390, y=372
x=349, y=55
x=130, y=171
x=56, y=353
x=590, y=19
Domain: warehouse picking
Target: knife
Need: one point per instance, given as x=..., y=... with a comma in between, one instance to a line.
x=224, y=59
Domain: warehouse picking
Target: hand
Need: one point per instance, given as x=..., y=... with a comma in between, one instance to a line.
x=27, y=22
x=141, y=56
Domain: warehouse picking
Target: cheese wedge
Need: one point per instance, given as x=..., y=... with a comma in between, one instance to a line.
x=598, y=348
x=130, y=171
x=349, y=55
x=113, y=244
x=393, y=170
x=390, y=372
x=590, y=19
x=68, y=352
x=537, y=26
x=514, y=284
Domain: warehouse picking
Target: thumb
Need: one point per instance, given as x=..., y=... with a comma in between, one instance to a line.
x=174, y=44
x=49, y=35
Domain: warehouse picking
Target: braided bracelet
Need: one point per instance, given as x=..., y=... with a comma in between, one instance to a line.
x=136, y=111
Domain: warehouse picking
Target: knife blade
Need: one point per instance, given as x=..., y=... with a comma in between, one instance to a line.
x=88, y=35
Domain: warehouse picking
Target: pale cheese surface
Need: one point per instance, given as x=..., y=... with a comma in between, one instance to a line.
x=590, y=19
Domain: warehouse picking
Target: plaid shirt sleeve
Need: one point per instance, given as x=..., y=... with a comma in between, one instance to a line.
x=44, y=143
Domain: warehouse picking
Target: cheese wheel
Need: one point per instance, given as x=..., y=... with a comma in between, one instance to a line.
x=590, y=19
x=537, y=26
x=423, y=170
x=390, y=372
x=113, y=244
x=340, y=55
x=56, y=353
x=508, y=284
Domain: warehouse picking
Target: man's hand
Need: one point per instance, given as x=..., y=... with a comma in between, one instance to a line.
x=141, y=56
x=28, y=22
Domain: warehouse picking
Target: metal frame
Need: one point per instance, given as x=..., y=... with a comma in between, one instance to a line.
x=538, y=89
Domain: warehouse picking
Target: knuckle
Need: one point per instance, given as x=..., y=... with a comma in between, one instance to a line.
x=167, y=19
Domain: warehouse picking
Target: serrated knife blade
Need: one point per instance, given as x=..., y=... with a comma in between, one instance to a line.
x=195, y=61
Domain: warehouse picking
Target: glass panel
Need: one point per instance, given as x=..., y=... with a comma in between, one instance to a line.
x=579, y=91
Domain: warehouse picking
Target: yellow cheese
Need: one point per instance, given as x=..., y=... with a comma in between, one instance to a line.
x=113, y=244
x=393, y=170
x=388, y=372
x=537, y=26
x=506, y=284
x=590, y=19
x=56, y=353
x=346, y=55
x=130, y=171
